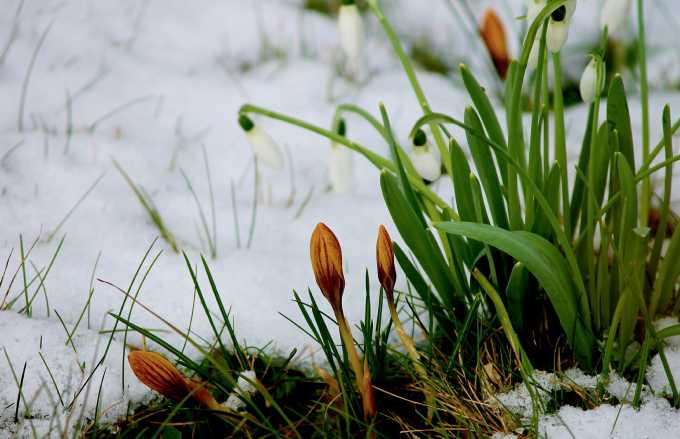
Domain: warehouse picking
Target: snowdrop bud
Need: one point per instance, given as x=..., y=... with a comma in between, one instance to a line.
x=351, y=33
x=243, y=389
x=340, y=164
x=264, y=147
x=614, y=14
x=326, y=256
x=558, y=26
x=425, y=160
x=533, y=8
x=592, y=79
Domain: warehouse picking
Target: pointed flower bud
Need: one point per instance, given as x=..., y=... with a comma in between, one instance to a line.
x=326, y=256
x=558, y=26
x=340, y=164
x=264, y=147
x=592, y=80
x=493, y=34
x=351, y=34
x=159, y=374
x=614, y=14
x=384, y=255
x=426, y=161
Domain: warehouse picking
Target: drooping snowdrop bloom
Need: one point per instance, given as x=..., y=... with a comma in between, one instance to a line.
x=592, y=79
x=614, y=14
x=425, y=159
x=533, y=8
x=264, y=148
x=351, y=31
x=558, y=26
x=340, y=164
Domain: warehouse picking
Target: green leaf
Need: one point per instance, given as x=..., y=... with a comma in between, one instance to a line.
x=419, y=240
x=618, y=118
x=549, y=267
x=486, y=168
x=516, y=292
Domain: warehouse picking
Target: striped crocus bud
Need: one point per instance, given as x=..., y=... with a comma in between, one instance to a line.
x=558, y=26
x=592, y=79
x=384, y=256
x=351, y=34
x=424, y=158
x=533, y=9
x=326, y=256
x=159, y=374
x=493, y=34
x=614, y=14
x=340, y=164
x=264, y=148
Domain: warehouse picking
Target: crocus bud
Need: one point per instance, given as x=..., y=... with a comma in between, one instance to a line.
x=264, y=148
x=425, y=160
x=157, y=373
x=326, y=256
x=384, y=255
x=493, y=34
x=533, y=9
x=592, y=79
x=351, y=34
x=340, y=164
x=614, y=14
x=558, y=26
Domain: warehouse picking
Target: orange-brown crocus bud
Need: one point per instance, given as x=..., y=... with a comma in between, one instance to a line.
x=326, y=256
x=384, y=256
x=159, y=374
x=493, y=34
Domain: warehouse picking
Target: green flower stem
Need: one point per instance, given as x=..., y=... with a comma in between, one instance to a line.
x=646, y=194
x=417, y=89
x=376, y=159
x=560, y=137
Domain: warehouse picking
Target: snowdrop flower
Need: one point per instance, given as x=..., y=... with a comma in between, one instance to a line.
x=558, y=26
x=614, y=14
x=244, y=388
x=533, y=8
x=425, y=160
x=351, y=34
x=264, y=148
x=592, y=79
x=340, y=164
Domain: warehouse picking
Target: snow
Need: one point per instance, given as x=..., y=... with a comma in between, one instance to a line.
x=180, y=74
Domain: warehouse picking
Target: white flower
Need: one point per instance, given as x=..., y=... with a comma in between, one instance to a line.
x=351, y=34
x=243, y=389
x=614, y=14
x=264, y=148
x=533, y=8
x=425, y=160
x=558, y=26
x=340, y=164
x=590, y=85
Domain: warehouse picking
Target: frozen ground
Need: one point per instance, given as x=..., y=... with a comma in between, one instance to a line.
x=178, y=75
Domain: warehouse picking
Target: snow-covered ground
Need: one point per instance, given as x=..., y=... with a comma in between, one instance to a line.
x=149, y=84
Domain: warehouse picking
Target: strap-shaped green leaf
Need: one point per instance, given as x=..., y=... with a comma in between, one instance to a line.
x=547, y=264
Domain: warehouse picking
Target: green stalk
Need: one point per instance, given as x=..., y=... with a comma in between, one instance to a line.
x=560, y=138
x=646, y=194
x=417, y=89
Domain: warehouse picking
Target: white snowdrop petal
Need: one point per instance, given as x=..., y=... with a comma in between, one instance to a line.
x=340, y=169
x=558, y=31
x=588, y=82
x=614, y=14
x=265, y=149
x=426, y=162
x=351, y=32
